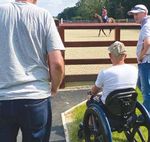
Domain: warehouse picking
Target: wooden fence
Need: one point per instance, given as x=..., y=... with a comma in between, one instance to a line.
x=75, y=44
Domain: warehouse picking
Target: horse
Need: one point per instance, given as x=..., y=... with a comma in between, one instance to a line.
x=100, y=20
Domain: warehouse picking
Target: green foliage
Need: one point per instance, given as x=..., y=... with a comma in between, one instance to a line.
x=85, y=9
x=68, y=13
x=140, y=97
x=119, y=8
x=76, y=18
x=74, y=126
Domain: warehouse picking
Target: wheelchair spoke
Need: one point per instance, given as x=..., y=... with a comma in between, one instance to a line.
x=140, y=135
x=98, y=125
x=94, y=128
x=92, y=120
x=128, y=136
x=137, y=134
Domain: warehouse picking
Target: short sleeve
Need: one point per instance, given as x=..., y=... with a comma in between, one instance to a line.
x=100, y=79
x=53, y=40
x=146, y=31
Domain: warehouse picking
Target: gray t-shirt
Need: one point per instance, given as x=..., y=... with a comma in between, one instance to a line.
x=27, y=34
x=144, y=33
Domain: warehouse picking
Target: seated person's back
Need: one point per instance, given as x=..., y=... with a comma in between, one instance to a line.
x=119, y=76
x=116, y=77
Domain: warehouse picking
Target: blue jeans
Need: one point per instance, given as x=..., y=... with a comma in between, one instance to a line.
x=32, y=117
x=144, y=75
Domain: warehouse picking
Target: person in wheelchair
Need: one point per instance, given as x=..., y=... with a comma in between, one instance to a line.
x=119, y=75
x=117, y=108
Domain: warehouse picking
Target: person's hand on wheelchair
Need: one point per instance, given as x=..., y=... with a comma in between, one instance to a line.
x=92, y=96
x=94, y=93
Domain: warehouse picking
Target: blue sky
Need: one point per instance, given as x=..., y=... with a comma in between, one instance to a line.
x=54, y=6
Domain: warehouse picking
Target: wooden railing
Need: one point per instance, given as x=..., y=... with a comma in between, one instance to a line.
x=116, y=26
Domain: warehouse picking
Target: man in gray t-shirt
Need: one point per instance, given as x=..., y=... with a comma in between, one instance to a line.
x=140, y=14
x=30, y=58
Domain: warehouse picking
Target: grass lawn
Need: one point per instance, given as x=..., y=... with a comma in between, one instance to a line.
x=78, y=114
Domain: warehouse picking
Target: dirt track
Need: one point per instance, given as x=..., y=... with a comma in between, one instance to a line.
x=98, y=52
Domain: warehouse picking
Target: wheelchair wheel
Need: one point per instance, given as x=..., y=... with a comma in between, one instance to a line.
x=96, y=126
x=140, y=131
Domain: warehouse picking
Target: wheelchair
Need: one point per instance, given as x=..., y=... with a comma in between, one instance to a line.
x=121, y=113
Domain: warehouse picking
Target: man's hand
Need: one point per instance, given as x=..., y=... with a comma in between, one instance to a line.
x=145, y=49
x=93, y=92
x=53, y=93
x=89, y=95
x=92, y=96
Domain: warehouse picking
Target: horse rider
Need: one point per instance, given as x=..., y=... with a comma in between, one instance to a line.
x=104, y=15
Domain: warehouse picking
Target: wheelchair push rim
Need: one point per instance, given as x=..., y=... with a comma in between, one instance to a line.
x=96, y=126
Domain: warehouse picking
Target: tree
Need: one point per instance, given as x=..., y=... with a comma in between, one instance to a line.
x=128, y=4
x=87, y=8
x=68, y=13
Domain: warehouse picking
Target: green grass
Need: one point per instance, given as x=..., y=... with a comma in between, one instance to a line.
x=78, y=114
x=73, y=127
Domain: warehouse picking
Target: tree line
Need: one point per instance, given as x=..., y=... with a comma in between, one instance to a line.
x=85, y=9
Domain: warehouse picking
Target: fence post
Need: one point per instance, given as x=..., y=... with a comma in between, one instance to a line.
x=117, y=33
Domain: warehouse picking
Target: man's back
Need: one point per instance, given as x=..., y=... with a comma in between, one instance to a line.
x=30, y=58
x=25, y=41
x=117, y=77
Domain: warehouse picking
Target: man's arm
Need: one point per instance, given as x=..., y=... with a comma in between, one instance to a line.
x=94, y=91
x=56, y=69
x=146, y=47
